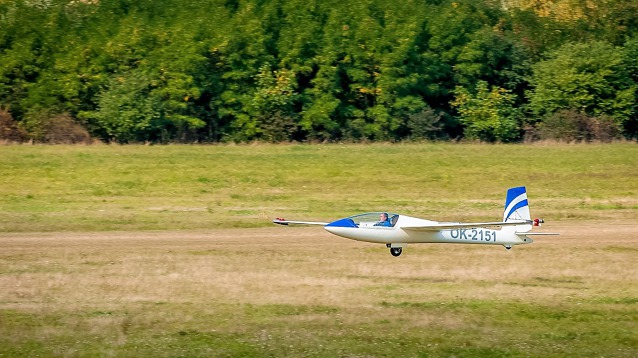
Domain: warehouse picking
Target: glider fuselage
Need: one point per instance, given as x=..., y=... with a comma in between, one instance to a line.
x=397, y=231
x=397, y=235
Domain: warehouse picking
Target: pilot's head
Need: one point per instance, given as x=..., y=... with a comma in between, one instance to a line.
x=383, y=216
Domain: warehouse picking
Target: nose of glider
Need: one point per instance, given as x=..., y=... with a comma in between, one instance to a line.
x=340, y=227
x=341, y=223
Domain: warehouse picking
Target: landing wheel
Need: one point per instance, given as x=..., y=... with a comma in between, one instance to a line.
x=396, y=251
x=508, y=247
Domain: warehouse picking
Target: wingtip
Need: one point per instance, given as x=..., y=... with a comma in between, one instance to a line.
x=280, y=221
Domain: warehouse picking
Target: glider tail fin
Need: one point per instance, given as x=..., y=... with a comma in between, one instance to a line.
x=516, y=205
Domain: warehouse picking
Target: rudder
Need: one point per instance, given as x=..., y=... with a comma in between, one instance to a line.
x=516, y=205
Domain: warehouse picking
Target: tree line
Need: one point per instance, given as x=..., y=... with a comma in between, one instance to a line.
x=318, y=70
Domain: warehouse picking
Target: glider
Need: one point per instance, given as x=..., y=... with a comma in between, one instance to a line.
x=397, y=231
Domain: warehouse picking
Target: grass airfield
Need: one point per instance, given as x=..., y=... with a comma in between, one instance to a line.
x=168, y=251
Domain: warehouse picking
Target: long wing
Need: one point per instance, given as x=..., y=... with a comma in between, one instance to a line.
x=288, y=222
x=447, y=226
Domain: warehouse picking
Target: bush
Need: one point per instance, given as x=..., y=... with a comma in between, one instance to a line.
x=425, y=124
x=9, y=129
x=45, y=127
x=575, y=126
x=62, y=129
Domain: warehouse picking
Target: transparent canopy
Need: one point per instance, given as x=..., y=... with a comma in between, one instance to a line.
x=375, y=219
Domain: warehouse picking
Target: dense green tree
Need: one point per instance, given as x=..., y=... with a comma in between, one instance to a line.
x=493, y=55
x=243, y=51
x=489, y=114
x=243, y=70
x=630, y=59
x=126, y=111
x=588, y=77
x=271, y=114
x=24, y=51
x=459, y=39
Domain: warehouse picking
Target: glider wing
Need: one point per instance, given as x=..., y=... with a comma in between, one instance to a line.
x=281, y=221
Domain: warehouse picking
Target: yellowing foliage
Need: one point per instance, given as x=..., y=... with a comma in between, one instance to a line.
x=561, y=10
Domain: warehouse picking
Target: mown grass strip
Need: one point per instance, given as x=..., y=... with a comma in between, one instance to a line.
x=96, y=188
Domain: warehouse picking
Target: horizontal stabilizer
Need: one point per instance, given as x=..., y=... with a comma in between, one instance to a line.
x=451, y=226
x=288, y=222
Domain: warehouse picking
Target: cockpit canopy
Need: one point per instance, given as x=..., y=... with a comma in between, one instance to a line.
x=374, y=219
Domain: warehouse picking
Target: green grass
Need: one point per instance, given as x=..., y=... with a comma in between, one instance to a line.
x=98, y=188
x=194, y=268
x=494, y=331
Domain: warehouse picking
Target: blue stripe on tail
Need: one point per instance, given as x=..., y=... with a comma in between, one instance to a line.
x=516, y=204
x=513, y=193
x=516, y=207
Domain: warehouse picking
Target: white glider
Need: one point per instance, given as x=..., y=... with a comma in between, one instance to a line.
x=397, y=231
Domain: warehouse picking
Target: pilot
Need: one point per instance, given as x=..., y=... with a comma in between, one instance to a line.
x=383, y=220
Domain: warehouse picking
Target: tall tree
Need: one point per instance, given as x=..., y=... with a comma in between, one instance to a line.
x=488, y=114
x=588, y=77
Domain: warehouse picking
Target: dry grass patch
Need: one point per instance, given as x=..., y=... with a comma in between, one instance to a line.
x=300, y=291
